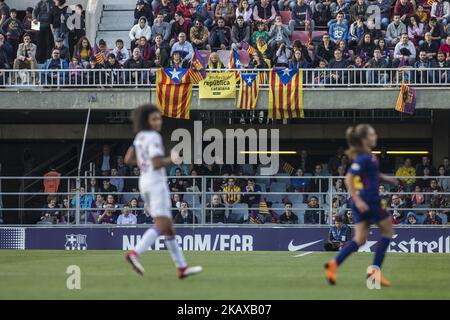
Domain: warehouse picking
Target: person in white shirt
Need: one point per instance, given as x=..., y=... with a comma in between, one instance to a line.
x=126, y=217
x=148, y=153
x=183, y=47
x=141, y=29
x=121, y=53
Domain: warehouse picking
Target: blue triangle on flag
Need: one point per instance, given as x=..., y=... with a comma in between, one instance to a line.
x=176, y=75
x=286, y=74
x=249, y=78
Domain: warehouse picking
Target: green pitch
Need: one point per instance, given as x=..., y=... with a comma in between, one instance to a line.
x=227, y=275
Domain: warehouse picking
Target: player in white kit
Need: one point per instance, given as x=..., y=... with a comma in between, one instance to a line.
x=148, y=153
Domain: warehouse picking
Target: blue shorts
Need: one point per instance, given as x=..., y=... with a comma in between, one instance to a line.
x=375, y=214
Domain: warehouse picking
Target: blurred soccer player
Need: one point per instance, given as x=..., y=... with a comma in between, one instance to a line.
x=362, y=181
x=148, y=153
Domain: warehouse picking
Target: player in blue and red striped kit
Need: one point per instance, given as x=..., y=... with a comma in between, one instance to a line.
x=362, y=181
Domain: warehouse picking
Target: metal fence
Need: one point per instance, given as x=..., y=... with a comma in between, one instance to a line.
x=261, y=202
x=145, y=78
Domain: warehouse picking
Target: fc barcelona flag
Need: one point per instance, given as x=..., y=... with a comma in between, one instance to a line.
x=248, y=92
x=197, y=72
x=406, y=101
x=285, y=94
x=174, y=92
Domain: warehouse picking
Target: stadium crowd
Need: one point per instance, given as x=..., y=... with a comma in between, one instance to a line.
x=100, y=202
x=284, y=33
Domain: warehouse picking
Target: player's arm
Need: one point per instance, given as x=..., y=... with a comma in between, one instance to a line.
x=389, y=179
x=130, y=157
x=359, y=202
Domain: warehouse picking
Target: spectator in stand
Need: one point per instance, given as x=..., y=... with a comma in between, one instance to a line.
x=301, y=17
x=42, y=13
x=145, y=50
x=114, y=76
x=199, y=35
x=445, y=48
x=199, y=11
x=159, y=53
x=97, y=208
x=231, y=193
x=185, y=7
x=26, y=54
x=411, y=218
x=121, y=53
x=245, y=11
x=177, y=62
x=135, y=62
x=108, y=216
x=177, y=184
x=240, y=33
x=76, y=30
x=108, y=188
x=397, y=204
x=325, y=50
x=321, y=11
x=51, y=214
x=299, y=183
x=52, y=181
x=144, y=217
x=436, y=29
x=179, y=25
x=404, y=9
x=86, y=199
x=102, y=48
x=161, y=27
x=417, y=198
x=184, y=215
x=358, y=10
x=432, y=218
x=425, y=181
x=106, y=160
x=258, y=61
x=119, y=183
x=385, y=11
x=318, y=184
x=377, y=62
x=337, y=63
x=13, y=29
x=431, y=48
x=60, y=14
x=260, y=33
x=251, y=199
x=443, y=182
x=394, y=31
x=183, y=47
x=435, y=188
x=297, y=61
x=440, y=10
x=426, y=163
x=356, y=32
x=339, y=29
x=27, y=22
x=278, y=34
x=313, y=214
x=441, y=76
x=141, y=29
x=214, y=62
x=220, y=36
x=338, y=235
x=126, y=217
x=63, y=50
x=421, y=75
x=415, y=30
x=407, y=170
x=264, y=12
x=4, y=11
x=167, y=9
x=83, y=51
x=215, y=211
x=404, y=43
x=366, y=47
x=288, y=217
x=339, y=6
x=224, y=9
x=282, y=56
x=143, y=10
x=56, y=63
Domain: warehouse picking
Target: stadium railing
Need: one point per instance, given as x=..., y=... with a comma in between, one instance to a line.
x=145, y=78
x=197, y=192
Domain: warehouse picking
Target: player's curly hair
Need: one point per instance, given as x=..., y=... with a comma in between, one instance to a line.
x=354, y=136
x=140, y=115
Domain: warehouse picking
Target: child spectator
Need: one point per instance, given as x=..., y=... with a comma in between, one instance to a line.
x=75, y=73
x=121, y=53
x=13, y=29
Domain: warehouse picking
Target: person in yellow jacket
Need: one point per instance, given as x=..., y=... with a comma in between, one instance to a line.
x=407, y=170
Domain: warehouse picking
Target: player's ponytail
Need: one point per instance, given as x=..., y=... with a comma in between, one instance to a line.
x=354, y=136
x=140, y=116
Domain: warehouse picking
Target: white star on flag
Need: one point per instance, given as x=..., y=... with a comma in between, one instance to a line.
x=249, y=80
x=238, y=63
x=174, y=74
x=286, y=72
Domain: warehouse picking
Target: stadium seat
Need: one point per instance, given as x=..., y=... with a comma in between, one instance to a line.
x=274, y=198
x=278, y=187
x=443, y=216
x=192, y=199
x=300, y=35
x=247, y=169
x=285, y=17
x=318, y=34
x=295, y=198
x=224, y=56
x=299, y=210
x=278, y=208
x=238, y=213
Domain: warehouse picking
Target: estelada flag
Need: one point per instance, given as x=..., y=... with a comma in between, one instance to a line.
x=248, y=91
x=174, y=92
x=234, y=63
x=406, y=101
x=285, y=94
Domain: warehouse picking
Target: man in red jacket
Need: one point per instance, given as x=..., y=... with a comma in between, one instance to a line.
x=404, y=9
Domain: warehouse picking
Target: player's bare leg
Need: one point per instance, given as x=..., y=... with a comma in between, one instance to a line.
x=387, y=232
x=361, y=235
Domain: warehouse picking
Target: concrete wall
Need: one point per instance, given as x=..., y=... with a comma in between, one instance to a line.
x=129, y=98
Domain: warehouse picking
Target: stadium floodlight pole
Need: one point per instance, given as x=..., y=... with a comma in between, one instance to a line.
x=91, y=98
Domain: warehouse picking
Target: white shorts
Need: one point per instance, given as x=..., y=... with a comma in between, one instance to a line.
x=157, y=198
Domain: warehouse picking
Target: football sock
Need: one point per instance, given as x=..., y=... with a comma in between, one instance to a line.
x=147, y=240
x=347, y=250
x=175, y=252
x=382, y=246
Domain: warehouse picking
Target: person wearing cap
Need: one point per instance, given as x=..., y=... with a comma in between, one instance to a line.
x=63, y=49
x=140, y=29
x=338, y=235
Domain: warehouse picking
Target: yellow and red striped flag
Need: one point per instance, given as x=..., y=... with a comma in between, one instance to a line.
x=197, y=72
x=234, y=63
x=99, y=58
x=285, y=94
x=174, y=92
x=248, y=91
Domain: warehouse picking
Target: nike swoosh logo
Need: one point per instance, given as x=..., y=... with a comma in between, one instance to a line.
x=293, y=247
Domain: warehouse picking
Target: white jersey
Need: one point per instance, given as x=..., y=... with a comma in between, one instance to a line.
x=148, y=145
